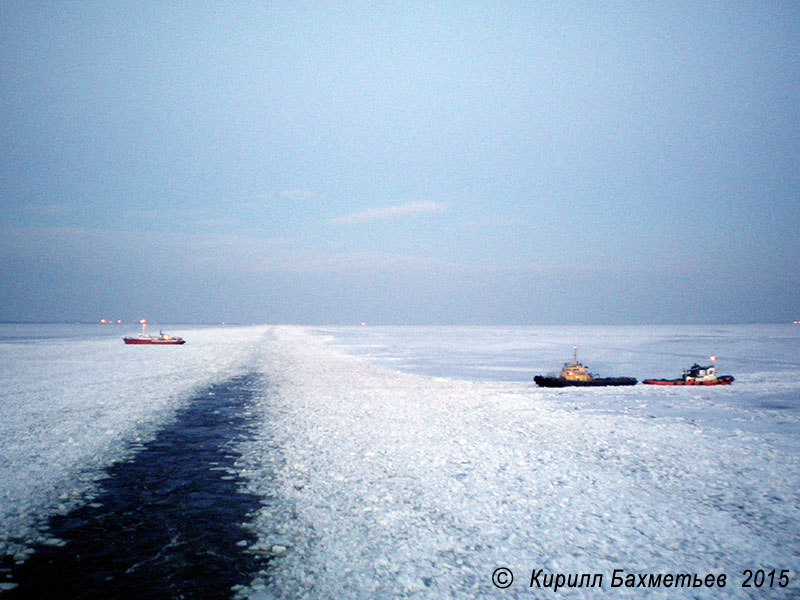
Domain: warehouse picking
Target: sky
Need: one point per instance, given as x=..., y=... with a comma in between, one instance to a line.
x=400, y=163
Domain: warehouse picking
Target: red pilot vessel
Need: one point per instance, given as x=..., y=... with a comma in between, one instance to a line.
x=162, y=339
x=696, y=375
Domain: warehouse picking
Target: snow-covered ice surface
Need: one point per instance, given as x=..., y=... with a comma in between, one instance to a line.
x=74, y=399
x=419, y=480
x=407, y=462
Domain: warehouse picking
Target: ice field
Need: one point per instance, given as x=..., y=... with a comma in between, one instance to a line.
x=414, y=462
x=75, y=399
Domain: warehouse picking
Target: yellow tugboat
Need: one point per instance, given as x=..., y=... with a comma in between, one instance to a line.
x=576, y=374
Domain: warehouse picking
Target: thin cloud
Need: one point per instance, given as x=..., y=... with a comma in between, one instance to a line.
x=366, y=261
x=298, y=195
x=198, y=217
x=409, y=209
x=149, y=214
x=51, y=210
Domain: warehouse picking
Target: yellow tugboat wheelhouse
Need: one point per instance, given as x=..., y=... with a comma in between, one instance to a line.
x=575, y=371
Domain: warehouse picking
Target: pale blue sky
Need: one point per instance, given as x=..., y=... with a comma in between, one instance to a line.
x=432, y=162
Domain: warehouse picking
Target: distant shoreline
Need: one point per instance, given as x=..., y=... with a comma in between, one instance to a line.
x=263, y=324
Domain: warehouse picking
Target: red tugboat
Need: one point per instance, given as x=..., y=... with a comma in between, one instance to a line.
x=162, y=339
x=696, y=375
x=575, y=374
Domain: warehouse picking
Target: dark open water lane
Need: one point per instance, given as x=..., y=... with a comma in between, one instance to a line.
x=169, y=521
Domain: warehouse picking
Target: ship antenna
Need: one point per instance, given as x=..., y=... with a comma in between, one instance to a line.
x=575, y=355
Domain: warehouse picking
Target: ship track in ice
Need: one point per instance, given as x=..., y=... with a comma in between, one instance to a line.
x=167, y=524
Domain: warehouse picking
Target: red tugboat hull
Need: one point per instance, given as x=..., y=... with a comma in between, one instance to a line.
x=724, y=380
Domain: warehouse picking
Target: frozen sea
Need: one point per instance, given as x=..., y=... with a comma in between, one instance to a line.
x=413, y=462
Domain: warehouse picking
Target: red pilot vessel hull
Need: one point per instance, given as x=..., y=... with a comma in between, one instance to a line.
x=154, y=341
x=162, y=339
